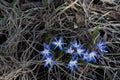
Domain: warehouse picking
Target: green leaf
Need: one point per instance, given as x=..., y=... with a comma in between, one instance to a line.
x=61, y=7
x=94, y=34
x=44, y=2
x=80, y=61
x=1, y=54
x=46, y=34
x=13, y=3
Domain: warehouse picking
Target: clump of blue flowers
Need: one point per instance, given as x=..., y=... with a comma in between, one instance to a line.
x=75, y=50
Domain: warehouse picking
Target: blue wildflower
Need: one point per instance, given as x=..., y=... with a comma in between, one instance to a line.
x=58, y=43
x=75, y=44
x=93, y=56
x=49, y=62
x=100, y=46
x=72, y=64
x=80, y=51
x=70, y=50
x=46, y=52
x=86, y=57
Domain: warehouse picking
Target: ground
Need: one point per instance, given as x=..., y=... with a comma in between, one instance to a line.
x=25, y=25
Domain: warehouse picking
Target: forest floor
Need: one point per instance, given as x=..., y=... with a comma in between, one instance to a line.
x=25, y=25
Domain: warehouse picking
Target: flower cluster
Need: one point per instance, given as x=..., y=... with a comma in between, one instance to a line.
x=47, y=56
x=75, y=50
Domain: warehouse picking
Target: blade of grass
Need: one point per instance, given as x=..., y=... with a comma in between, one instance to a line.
x=94, y=34
x=81, y=61
x=46, y=34
x=2, y=54
x=13, y=3
x=61, y=7
x=44, y=2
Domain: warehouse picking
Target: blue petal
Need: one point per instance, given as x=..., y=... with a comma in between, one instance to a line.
x=46, y=46
x=103, y=47
x=54, y=62
x=87, y=60
x=94, y=60
x=60, y=39
x=102, y=43
x=105, y=51
x=75, y=41
x=45, y=65
x=55, y=43
x=66, y=51
x=55, y=47
x=46, y=56
x=51, y=66
x=76, y=66
x=60, y=47
x=55, y=39
x=40, y=52
x=63, y=43
x=74, y=55
x=72, y=68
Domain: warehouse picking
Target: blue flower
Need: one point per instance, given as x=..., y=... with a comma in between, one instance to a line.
x=93, y=56
x=100, y=46
x=70, y=50
x=46, y=52
x=75, y=44
x=72, y=64
x=80, y=51
x=49, y=62
x=86, y=57
x=58, y=43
